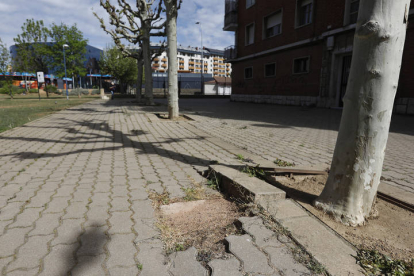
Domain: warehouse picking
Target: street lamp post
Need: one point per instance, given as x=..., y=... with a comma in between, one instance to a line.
x=202, y=59
x=64, y=61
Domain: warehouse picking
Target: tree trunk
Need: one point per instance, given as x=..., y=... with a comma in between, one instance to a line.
x=140, y=64
x=11, y=89
x=173, y=109
x=359, y=153
x=149, y=100
x=25, y=83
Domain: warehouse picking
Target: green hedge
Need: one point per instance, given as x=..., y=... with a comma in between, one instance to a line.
x=50, y=89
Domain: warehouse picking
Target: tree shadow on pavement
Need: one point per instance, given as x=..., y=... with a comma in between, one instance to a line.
x=122, y=140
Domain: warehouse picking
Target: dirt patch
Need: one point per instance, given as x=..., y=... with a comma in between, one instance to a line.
x=203, y=224
x=391, y=233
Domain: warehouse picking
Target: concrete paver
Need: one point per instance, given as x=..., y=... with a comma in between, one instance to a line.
x=74, y=186
x=305, y=136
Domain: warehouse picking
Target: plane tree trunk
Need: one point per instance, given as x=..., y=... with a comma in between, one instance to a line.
x=171, y=24
x=149, y=99
x=140, y=64
x=368, y=103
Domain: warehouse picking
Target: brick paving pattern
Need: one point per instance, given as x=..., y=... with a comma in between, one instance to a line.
x=74, y=190
x=299, y=135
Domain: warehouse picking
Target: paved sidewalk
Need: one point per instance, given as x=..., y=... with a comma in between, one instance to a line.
x=299, y=135
x=74, y=190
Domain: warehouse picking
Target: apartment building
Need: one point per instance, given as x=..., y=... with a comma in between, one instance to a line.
x=191, y=59
x=299, y=52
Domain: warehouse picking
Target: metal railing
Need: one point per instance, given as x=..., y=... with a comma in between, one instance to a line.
x=230, y=16
x=230, y=52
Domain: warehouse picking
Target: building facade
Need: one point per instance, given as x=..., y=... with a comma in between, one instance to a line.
x=299, y=52
x=190, y=61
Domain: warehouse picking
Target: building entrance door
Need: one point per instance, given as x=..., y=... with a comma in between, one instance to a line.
x=346, y=68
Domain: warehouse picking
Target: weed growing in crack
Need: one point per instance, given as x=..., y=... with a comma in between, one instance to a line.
x=179, y=247
x=240, y=157
x=192, y=194
x=139, y=266
x=254, y=172
x=282, y=163
x=160, y=199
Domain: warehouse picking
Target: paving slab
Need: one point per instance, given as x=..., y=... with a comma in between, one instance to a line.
x=242, y=185
x=229, y=267
x=185, y=263
x=252, y=259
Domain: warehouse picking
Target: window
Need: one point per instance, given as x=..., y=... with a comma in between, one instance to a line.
x=304, y=12
x=248, y=73
x=250, y=34
x=250, y=3
x=301, y=65
x=353, y=11
x=272, y=24
x=270, y=70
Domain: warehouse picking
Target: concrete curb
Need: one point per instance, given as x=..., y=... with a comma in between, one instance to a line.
x=331, y=250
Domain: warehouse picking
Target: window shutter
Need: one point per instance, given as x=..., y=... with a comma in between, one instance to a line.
x=305, y=2
x=274, y=20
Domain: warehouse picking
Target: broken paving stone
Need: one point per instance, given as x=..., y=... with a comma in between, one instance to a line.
x=283, y=260
x=229, y=267
x=262, y=236
x=253, y=260
x=185, y=263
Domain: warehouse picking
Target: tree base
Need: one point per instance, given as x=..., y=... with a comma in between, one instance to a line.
x=339, y=215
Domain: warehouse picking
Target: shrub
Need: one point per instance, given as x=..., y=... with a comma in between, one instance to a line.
x=50, y=89
x=95, y=92
x=33, y=90
x=78, y=91
x=5, y=89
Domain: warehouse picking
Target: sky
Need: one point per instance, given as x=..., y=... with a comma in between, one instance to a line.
x=209, y=12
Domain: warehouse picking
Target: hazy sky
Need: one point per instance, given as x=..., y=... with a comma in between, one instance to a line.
x=210, y=12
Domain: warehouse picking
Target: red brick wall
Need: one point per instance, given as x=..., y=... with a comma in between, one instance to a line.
x=325, y=13
x=406, y=83
x=285, y=82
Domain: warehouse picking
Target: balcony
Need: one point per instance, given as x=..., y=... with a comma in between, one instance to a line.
x=181, y=61
x=230, y=16
x=230, y=52
x=191, y=62
x=164, y=65
x=164, y=60
x=156, y=65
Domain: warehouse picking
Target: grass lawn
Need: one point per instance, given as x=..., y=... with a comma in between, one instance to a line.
x=23, y=109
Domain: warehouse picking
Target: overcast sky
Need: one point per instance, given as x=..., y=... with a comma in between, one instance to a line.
x=210, y=12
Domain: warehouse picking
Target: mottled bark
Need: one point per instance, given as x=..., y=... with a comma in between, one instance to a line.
x=359, y=153
x=140, y=64
x=171, y=24
x=149, y=100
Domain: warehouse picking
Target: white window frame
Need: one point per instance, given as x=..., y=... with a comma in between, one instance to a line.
x=265, y=27
x=307, y=69
x=297, y=14
x=252, y=3
x=245, y=33
x=271, y=63
x=250, y=67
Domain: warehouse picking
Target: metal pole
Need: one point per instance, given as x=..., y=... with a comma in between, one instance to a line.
x=66, y=81
x=202, y=61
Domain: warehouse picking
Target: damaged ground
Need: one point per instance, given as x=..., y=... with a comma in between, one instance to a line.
x=389, y=232
x=208, y=222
